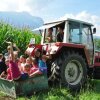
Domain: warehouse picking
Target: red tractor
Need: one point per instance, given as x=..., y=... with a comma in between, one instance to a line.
x=72, y=58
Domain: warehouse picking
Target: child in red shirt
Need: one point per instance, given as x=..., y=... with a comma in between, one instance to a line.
x=13, y=72
x=35, y=69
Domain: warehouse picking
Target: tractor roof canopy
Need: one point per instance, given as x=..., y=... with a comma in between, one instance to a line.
x=55, y=23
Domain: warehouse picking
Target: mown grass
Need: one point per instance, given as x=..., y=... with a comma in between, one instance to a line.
x=91, y=92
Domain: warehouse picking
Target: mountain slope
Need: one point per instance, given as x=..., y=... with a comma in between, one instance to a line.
x=21, y=19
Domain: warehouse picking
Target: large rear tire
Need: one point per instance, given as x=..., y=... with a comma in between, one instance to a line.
x=70, y=69
x=74, y=71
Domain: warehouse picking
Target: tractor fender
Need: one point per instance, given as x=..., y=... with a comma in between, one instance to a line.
x=77, y=48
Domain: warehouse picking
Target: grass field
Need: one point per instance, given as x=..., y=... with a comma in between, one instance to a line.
x=91, y=92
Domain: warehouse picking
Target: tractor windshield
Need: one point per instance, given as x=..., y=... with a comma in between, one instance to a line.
x=81, y=34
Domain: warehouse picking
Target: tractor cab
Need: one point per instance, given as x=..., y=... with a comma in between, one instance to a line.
x=74, y=32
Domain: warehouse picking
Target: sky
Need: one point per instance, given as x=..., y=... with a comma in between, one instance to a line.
x=49, y=10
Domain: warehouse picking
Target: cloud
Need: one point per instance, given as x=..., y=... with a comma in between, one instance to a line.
x=85, y=16
x=31, y=6
x=10, y=5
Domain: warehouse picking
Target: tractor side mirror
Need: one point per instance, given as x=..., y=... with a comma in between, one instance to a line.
x=94, y=30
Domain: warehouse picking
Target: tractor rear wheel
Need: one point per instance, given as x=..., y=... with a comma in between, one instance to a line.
x=74, y=71
x=70, y=69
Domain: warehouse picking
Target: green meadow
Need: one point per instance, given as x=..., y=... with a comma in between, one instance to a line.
x=90, y=92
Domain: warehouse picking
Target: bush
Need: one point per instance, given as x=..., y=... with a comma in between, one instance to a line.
x=19, y=36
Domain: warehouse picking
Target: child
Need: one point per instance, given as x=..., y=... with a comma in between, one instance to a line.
x=34, y=65
x=22, y=62
x=3, y=66
x=13, y=72
x=1, y=56
x=4, y=73
x=35, y=69
x=26, y=72
x=22, y=59
x=42, y=64
x=29, y=61
x=27, y=68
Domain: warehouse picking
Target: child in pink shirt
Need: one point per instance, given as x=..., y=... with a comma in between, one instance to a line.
x=35, y=69
x=13, y=70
